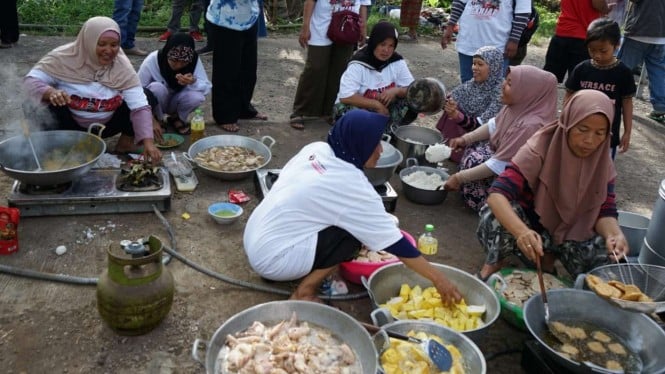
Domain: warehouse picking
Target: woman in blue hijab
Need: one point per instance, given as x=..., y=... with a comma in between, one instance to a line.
x=322, y=208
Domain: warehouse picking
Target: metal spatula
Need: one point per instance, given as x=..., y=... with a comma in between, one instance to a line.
x=437, y=353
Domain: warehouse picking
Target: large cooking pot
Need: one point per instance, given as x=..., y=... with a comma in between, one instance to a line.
x=386, y=165
x=474, y=361
x=78, y=150
x=261, y=148
x=413, y=140
x=386, y=282
x=638, y=332
x=341, y=324
x=420, y=195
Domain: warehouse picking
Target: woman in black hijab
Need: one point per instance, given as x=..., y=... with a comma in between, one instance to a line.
x=376, y=79
x=176, y=78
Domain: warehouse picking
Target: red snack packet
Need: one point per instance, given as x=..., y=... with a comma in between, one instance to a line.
x=9, y=218
x=237, y=196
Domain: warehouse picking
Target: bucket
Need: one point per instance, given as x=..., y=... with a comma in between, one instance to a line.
x=649, y=256
x=656, y=234
x=634, y=227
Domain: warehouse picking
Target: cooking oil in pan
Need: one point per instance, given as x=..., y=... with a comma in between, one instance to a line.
x=598, y=346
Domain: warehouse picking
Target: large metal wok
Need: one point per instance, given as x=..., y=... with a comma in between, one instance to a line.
x=341, y=324
x=261, y=147
x=637, y=331
x=77, y=151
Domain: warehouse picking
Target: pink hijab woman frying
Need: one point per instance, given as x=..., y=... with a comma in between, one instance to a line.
x=556, y=198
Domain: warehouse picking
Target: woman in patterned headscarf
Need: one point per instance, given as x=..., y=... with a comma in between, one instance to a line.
x=177, y=79
x=92, y=81
x=556, y=198
x=475, y=101
x=489, y=148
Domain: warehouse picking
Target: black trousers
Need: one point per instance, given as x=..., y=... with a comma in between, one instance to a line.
x=234, y=63
x=8, y=21
x=334, y=245
x=563, y=54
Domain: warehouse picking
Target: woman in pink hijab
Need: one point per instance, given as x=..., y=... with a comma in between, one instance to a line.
x=90, y=80
x=556, y=198
x=529, y=97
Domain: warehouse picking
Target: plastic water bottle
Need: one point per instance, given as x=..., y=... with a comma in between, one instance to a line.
x=427, y=244
x=197, y=125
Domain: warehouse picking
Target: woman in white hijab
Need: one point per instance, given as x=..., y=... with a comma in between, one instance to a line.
x=91, y=81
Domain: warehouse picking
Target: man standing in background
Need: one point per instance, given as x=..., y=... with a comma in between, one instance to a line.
x=644, y=40
x=127, y=13
x=196, y=7
x=567, y=48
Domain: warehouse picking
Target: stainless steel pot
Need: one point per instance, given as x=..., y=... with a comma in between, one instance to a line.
x=79, y=147
x=261, y=148
x=638, y=332
x=426, y=95
x=413, y=140
x=420, y=195
x=474, y=361
x=385, y=168
x=346, y=329
x=386, y=282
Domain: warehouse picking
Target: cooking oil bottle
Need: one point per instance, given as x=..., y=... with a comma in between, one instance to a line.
x=198, y=126
x=427, y=244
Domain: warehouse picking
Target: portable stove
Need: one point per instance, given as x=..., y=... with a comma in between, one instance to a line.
x=97, y=191
x=264, y=179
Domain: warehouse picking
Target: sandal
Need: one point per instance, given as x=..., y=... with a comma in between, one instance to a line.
x=484, y=280
x=297, y=122
x=230, y=127
x=181, y=127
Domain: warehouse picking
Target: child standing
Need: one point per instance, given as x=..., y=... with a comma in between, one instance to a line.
x=605, y=73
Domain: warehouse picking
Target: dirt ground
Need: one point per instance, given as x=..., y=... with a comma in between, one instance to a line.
x=54, y=327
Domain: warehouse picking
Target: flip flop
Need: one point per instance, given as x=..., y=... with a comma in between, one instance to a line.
x=297, y=122
x=230, y=127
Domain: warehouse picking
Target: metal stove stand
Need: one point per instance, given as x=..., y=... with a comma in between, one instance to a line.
x=93, y=193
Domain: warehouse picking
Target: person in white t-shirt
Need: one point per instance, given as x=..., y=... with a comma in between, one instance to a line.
x=322, y=207
x=376, y=79
x=485, y=23
x=325, y=61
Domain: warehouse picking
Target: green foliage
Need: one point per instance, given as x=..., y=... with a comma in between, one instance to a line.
x=73, y=13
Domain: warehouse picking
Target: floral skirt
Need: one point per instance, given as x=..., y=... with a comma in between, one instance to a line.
x=400, y=114
x=474, y=193
x=576, y=257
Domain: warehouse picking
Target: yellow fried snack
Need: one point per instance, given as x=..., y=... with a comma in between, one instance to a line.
x=631, y=293
x=601, y=288
x=616, y=289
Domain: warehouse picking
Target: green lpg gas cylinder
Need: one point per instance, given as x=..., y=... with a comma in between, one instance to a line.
x=135, y=292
